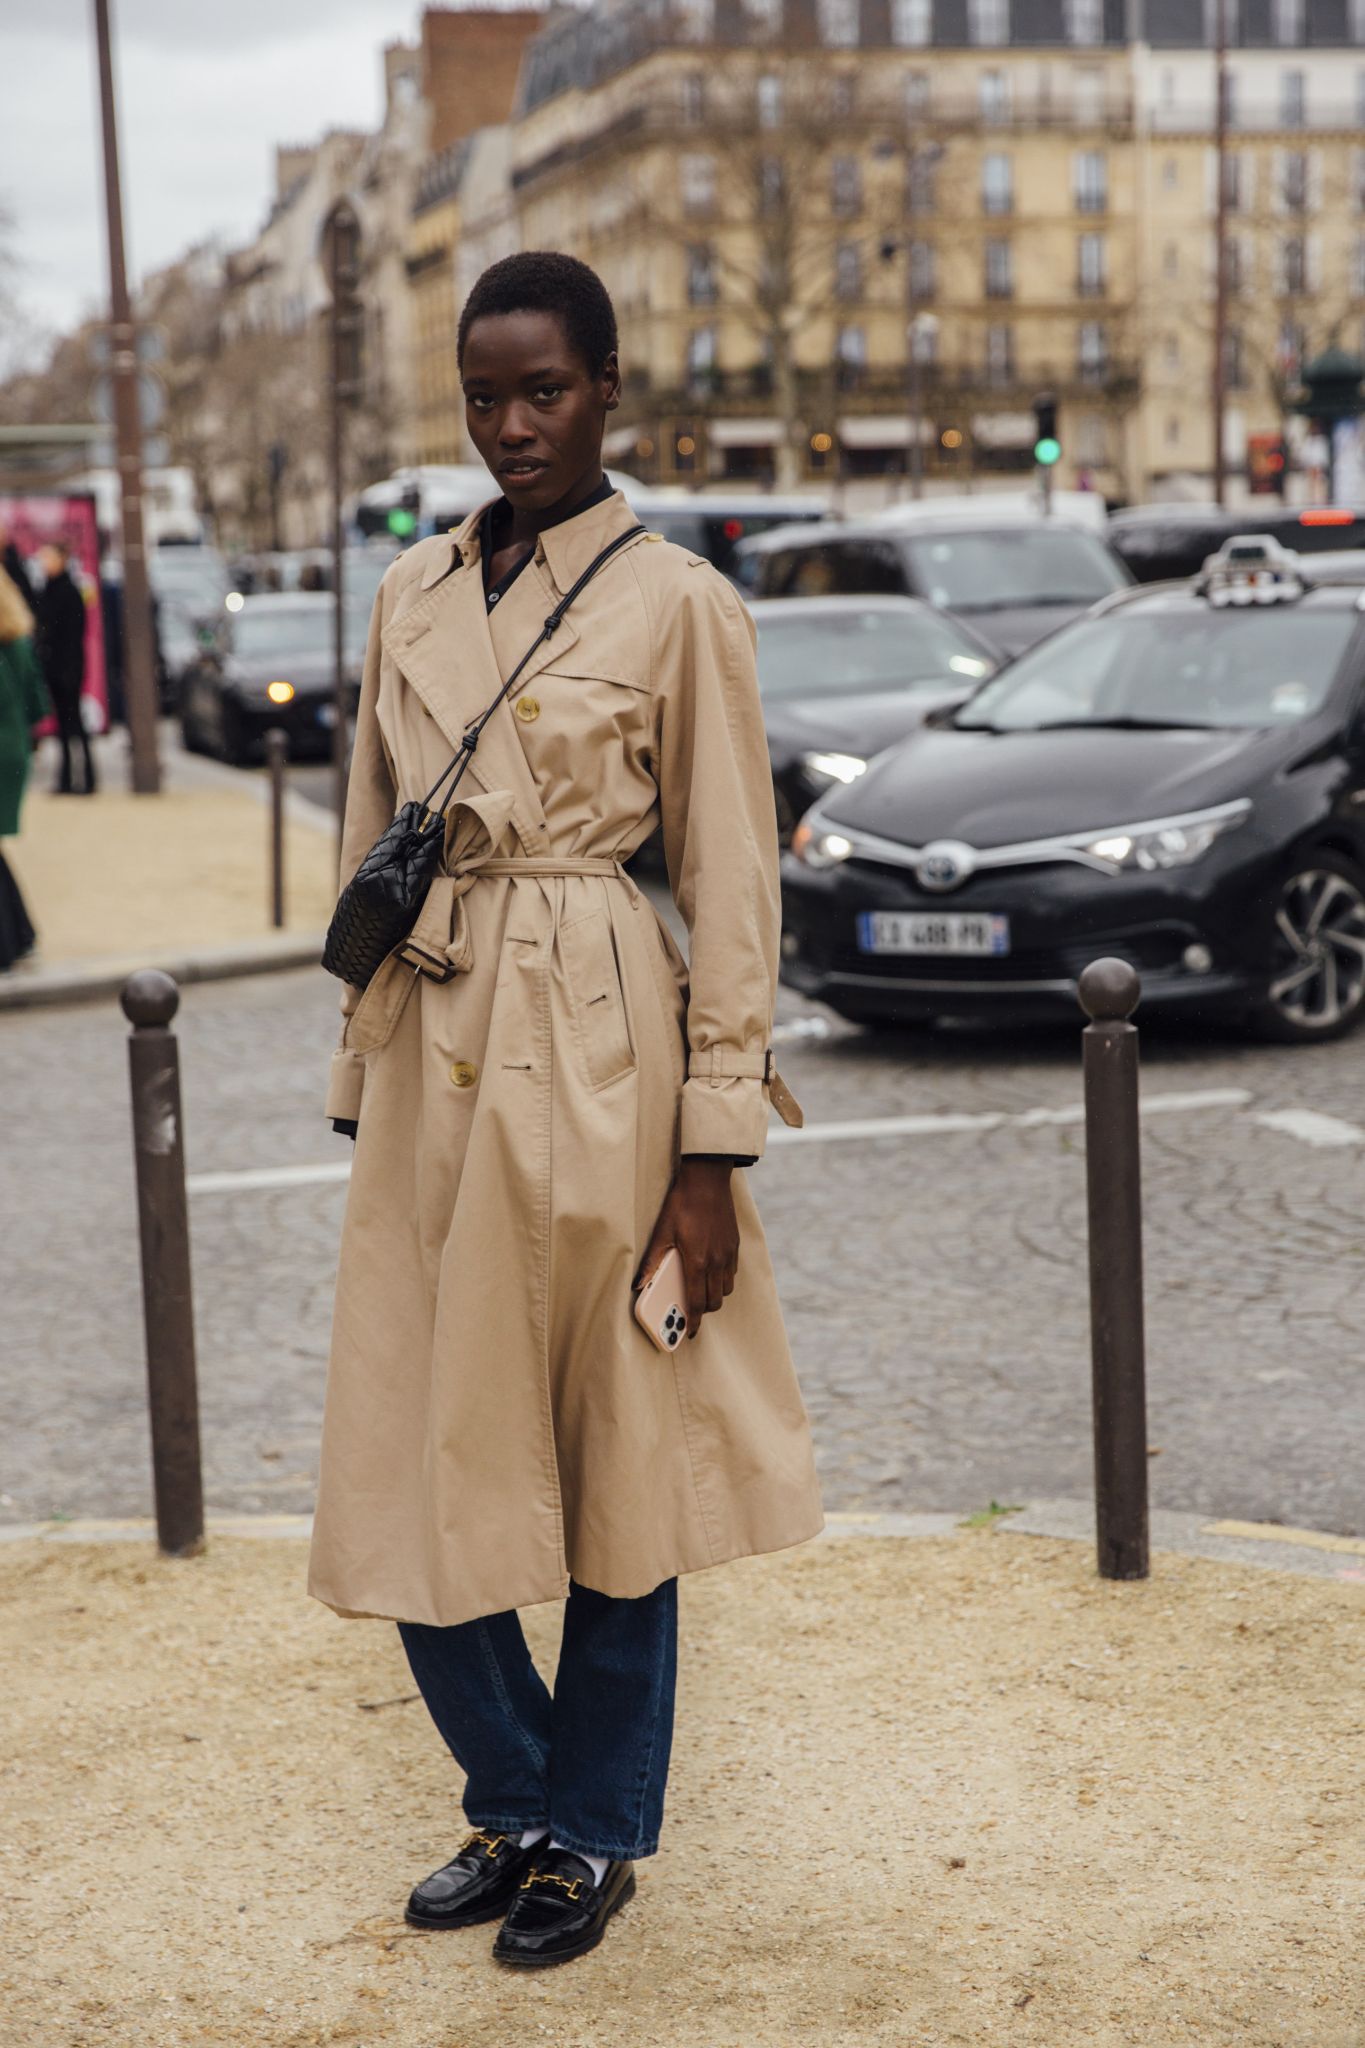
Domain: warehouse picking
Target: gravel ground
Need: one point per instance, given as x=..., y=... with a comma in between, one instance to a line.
x=935, y=1792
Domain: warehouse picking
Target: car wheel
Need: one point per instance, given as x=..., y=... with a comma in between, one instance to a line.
x=1316, y=985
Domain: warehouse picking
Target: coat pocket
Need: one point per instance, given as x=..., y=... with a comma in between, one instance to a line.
x=589, y=956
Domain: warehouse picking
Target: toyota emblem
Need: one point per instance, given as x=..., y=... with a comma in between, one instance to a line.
x=947, y=864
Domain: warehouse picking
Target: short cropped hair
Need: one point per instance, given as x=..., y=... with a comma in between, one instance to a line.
x=545, y=281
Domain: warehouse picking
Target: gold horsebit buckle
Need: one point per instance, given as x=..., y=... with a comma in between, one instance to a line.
x=492, y=1843
x=572, y=1885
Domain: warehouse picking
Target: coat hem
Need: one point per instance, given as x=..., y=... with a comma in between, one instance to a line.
x=730, y=1555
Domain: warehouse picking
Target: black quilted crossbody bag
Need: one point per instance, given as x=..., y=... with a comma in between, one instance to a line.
x=378, y=908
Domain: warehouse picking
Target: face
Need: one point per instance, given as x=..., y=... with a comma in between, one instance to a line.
x=534, y=410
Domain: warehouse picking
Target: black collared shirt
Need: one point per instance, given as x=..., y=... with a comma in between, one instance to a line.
x=493, y=532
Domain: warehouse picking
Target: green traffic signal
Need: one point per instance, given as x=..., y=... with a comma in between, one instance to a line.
x=402, y=522
x=1047, y=451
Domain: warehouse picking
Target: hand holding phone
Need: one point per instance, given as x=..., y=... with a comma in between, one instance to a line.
x=661, y=1304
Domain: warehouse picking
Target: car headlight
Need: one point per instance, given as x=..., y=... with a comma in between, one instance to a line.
x=818, y=847
x=280, y=692
x=1150, y=848
x=834, y=767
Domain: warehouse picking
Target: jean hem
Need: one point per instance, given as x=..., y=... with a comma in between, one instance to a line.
x=583, y=1845
x=504, y=1824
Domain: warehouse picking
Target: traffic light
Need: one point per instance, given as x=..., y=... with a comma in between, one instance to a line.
x=1266, y=464
x=1047, y=449
x=403, y=517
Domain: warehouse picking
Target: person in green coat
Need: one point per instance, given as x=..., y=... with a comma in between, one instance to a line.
x=23, y=704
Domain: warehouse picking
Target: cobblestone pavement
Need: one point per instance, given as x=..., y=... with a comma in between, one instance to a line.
x=935, y=1284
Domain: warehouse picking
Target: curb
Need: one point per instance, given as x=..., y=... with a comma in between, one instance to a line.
x=1267, y=1546
x=96, y=980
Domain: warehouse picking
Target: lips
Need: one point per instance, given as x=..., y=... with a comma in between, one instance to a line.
x=523, y=468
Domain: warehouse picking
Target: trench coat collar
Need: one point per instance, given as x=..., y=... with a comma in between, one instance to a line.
x=564, y=550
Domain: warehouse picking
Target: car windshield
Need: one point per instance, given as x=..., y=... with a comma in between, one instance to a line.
x=189, y=581
x=1033, y=565
x=826, y=652
x=292, y=629
x=1258, y=667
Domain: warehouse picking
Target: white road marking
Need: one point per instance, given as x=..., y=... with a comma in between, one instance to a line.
x=1311, y=1127
x=929, y=1124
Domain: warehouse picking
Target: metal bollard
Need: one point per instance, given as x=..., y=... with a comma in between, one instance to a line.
x=150, y=1000
x=276, y=754
x=1109, y=992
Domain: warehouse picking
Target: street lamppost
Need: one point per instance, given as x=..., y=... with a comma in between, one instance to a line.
x=921, y=325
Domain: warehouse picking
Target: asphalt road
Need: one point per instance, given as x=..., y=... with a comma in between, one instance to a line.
x=934, y=1279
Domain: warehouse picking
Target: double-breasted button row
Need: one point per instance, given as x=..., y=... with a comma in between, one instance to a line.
x=464, y=1073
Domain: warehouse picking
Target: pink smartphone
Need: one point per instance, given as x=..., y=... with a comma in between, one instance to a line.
x=660, y=1306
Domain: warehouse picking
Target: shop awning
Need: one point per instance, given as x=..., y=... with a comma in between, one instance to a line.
x=881, y=430
x=1003, y=429
x=744, y=433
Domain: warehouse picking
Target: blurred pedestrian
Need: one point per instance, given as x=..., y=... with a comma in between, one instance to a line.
x=14, y=565
x=549, y=1114
x=23, y=703
x=60, y=612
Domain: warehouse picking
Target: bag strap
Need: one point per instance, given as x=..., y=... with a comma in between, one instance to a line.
x=551, y=626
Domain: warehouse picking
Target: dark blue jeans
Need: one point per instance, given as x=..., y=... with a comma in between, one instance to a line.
x=591, y=1762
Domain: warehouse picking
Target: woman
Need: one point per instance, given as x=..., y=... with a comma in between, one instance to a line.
x=23, y=704
x=543, y=1103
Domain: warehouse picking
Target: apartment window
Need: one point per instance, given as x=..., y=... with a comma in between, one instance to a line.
x=848, y=271
x=1293, y=265
x=1172, y=351
x=1090, y=265
x=1170, y=260
x=698, y=20
x=1293, y=99
x=1236, y=180
x=764, y=17
x=701, y=274
x=1294, y=181
x=920, y=185
x=912, y=23
x=843, y=95
x=1087, y=95
x=988, y=21
x=845, y=185
x=997, y=183
x=1085, y=21
x=924, y=340
x=993, y=96
x=1286, y=20
x=1167, y=88
x=1231, y=20
x=922, y=277
x=1292, y=347
x=1172, y=432
x=999, y=270
x=697, y=178
x=999, y=354
x=1092, y=440
x=838, y=21
x=1090, y=181
x=1170, y=173
x=918, y=93
x=1092, y=351
x=694, y=99
x=851, y=357
x=701, y=358
x=1236, y=265
x=1234, y=360
x=769, y=98
x=771, y=184
x=1358, y=267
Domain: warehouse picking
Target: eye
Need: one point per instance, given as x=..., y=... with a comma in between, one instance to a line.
x=550, y=391
x=479, y=401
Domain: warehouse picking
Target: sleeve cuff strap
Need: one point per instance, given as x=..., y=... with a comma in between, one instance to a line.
x=729, y=1116
x=345, y=1085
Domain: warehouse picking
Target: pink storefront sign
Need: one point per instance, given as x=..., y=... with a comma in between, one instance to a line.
x=31, y=519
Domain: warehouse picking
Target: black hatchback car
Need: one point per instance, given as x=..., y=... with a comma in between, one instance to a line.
x=273, y=666
x=1178, y=780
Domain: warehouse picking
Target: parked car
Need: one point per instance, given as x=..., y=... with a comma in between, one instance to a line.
x=1014, y=578
x=189, y=585
x=275, y=666
x=715, y=524
x=843, y=677
x=1178, y=780
x=1157, y=542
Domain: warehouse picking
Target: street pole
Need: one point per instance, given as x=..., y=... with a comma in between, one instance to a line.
x=916, y=404
x=341, y=251
x=138, y=663
x=1220, y=248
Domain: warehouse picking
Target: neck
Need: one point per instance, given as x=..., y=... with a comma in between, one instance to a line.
x=528, y=523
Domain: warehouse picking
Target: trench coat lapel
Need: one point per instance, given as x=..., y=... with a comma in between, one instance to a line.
x=443, y=646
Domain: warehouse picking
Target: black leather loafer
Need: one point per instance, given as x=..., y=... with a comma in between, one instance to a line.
x=475, y=1885
x=557, y=1912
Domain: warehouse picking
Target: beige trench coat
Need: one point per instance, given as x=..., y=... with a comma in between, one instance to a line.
x=495, y=1419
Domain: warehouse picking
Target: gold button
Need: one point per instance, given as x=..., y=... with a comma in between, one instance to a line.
x=653, y=536
x=464, y=1073
x=528, y=708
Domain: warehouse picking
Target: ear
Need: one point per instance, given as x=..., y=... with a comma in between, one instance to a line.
x=611, y=382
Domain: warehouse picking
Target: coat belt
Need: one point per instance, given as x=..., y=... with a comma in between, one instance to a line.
x=439, y=944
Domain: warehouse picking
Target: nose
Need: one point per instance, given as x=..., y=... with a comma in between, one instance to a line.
x=517, y=428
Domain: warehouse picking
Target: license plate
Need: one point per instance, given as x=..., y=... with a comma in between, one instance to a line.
x=977, y=933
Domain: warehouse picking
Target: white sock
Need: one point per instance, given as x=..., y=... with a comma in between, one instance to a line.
x=529, y=1835
x=597, y=1864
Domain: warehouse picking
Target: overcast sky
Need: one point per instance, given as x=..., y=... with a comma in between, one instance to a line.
x=206, y=89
